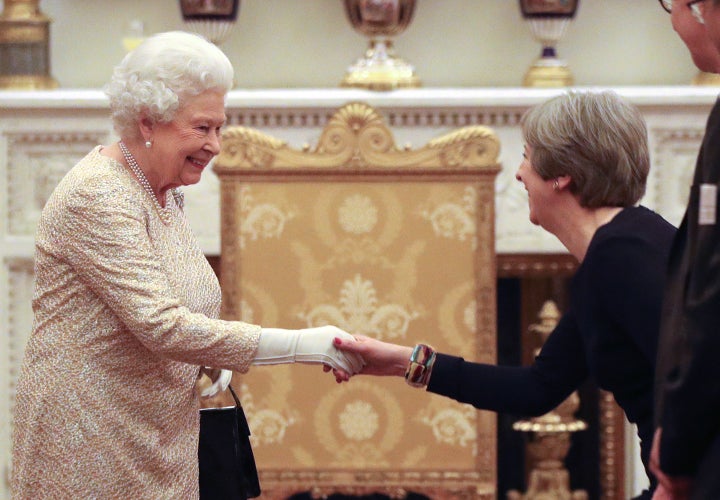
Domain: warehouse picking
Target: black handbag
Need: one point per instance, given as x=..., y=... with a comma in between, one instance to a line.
x=227, y=464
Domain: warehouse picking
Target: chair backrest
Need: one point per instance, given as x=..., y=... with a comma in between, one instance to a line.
x=394, y=243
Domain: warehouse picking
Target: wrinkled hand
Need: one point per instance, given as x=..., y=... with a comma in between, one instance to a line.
x=381, y=358
x=219, y=385
x=669, y=487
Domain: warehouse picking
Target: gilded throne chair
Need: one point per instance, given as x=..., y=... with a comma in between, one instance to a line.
x=394, y=243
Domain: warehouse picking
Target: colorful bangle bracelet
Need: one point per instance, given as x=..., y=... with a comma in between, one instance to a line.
x=420, y=366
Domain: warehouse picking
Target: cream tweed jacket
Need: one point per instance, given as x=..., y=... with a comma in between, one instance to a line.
x=125, y=311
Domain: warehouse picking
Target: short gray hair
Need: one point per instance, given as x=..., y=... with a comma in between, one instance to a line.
x=160, y=73
x=597, y=139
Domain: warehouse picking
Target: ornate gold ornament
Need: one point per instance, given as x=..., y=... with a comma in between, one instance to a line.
x=24, y=47
x=550, y=439
x=357, y=140
x=548, y=20
x=380, y=68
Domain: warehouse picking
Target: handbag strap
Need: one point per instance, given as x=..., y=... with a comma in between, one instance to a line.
x=240, y=412
x=237, y=400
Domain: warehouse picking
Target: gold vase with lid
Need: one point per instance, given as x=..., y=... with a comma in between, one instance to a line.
x=25, y=47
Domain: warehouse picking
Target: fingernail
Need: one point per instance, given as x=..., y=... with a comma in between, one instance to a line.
x=337, y=341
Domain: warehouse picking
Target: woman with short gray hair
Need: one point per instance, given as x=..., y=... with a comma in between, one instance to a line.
x=597, y=139
x=585, y=165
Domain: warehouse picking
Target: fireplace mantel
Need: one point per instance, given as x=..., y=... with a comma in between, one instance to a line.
x=65, y=123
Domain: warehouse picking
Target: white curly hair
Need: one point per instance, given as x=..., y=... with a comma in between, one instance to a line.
x=159, y=74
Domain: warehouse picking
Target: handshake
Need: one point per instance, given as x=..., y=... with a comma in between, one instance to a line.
x=308, y=345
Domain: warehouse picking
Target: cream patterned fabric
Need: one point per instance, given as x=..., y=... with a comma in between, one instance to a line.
x=391, y=242
x=124, y=316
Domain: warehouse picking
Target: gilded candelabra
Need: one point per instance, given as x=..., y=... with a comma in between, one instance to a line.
x=380, y=68
x=24, y=46
x=549, y=435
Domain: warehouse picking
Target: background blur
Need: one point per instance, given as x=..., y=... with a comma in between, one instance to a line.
x=452, y=43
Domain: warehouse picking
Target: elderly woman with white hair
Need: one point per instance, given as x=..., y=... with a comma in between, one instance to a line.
x=126, y=304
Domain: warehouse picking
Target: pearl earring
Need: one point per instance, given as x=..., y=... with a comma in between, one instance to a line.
x=148, y=144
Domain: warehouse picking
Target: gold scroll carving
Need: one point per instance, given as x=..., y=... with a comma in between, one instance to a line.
x=396, y=243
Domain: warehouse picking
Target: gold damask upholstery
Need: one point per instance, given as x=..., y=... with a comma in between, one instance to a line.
x=382, y=241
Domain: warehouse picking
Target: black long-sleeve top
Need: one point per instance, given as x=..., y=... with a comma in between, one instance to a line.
x=610, y=332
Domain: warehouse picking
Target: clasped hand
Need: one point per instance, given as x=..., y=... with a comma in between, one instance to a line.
x=379, y=358
x=307, y=345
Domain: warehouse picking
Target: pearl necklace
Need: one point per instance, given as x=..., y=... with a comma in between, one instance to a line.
x=165, y=212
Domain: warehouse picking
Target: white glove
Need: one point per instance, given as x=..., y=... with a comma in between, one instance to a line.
x=308, y=345
x=220, y=384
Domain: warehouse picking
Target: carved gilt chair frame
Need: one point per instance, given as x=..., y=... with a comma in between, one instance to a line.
x=356, y=153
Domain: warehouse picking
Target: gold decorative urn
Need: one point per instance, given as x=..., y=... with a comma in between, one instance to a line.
x=25, y=47
x=548, y=20
x=380, y=68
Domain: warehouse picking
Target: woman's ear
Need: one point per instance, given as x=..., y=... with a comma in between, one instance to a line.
x=145, y=124
x=563, y=181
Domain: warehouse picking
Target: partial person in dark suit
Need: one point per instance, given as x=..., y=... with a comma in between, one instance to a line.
x=686, y=449
x=585, y=167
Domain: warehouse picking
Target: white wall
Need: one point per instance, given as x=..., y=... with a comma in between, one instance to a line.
x=452, y=43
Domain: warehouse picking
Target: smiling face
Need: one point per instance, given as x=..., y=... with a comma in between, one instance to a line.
x=539, y=190
x=183, y=147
